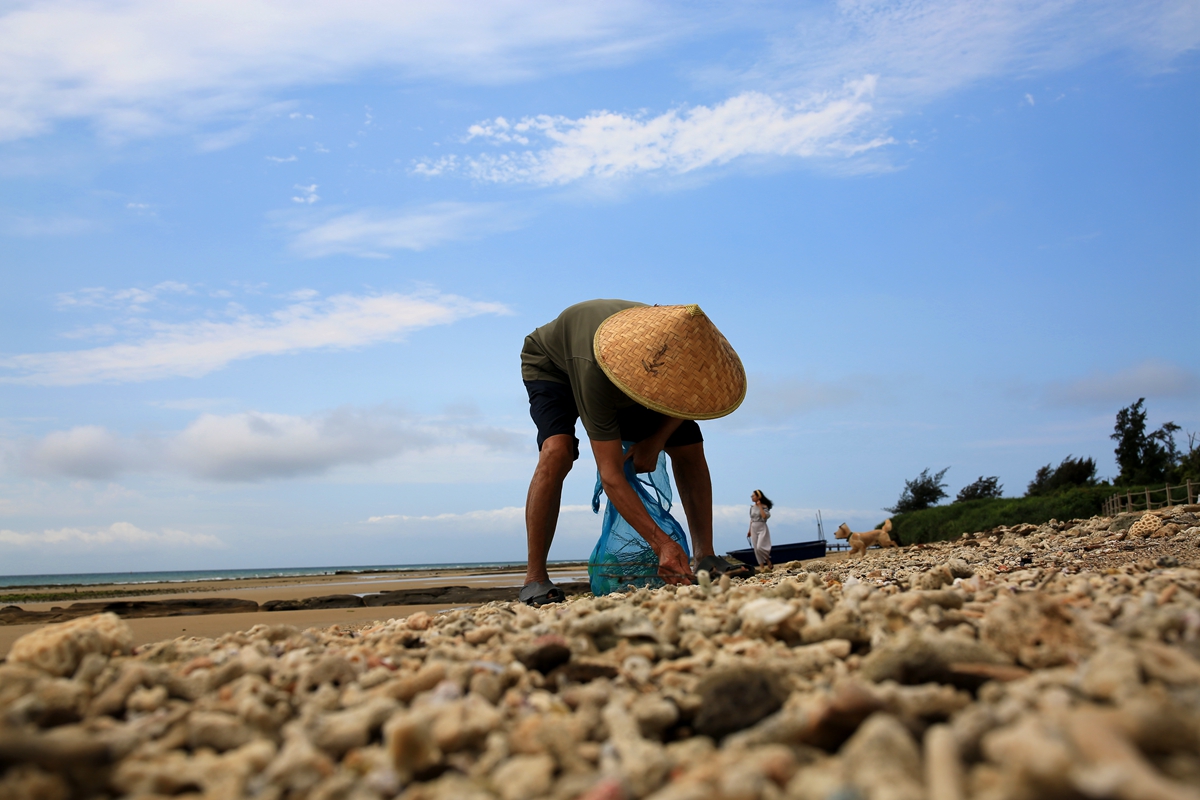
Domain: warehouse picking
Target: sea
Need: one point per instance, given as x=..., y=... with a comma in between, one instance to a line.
x=179, y=576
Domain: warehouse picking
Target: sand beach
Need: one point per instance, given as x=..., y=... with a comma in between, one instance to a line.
x=262, y=591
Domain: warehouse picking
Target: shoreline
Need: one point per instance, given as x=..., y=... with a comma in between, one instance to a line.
x=157, y=627
x=472, y=586
x=330, y=572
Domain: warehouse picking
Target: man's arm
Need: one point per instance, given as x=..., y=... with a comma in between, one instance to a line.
x=672, y=562
x=645, y=453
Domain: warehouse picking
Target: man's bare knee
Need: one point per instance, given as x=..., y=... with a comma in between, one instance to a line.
x=557, y=455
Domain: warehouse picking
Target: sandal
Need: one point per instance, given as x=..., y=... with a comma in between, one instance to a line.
x=717, y=566
x=540, y=593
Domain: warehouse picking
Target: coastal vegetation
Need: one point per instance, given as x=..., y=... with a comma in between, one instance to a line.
x=940, y=523
x=1070, y=490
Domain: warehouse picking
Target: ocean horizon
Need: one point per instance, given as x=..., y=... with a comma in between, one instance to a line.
x=181, y=576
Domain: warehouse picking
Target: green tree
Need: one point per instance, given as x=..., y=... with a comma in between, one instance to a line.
x=1161, y=454
x=1188, y=468
x=1130, y=435
x=923, y=491
x=982, y=489
x=1071, y=472
x=1144, y=458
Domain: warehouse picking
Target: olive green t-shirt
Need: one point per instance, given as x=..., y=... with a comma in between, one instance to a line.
x=563, y=351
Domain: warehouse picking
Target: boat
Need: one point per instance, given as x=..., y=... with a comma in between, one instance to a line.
x=783, y=553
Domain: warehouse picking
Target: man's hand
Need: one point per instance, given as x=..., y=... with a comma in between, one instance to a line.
x=673, y=566
x=645, y=455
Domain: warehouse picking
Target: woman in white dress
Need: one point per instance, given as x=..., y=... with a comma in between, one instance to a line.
x=759, y=536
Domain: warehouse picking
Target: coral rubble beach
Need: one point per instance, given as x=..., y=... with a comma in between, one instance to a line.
x=1060, y=660
x=157, y=611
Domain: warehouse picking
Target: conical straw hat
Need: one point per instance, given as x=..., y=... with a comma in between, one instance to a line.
x=671, y=359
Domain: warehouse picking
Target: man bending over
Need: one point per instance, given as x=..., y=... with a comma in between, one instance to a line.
x=630, y=372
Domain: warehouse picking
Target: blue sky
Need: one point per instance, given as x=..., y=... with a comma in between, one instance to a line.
x=267, y=267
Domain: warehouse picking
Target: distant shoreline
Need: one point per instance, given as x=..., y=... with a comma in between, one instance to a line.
x=11, y=584
x=218, y=603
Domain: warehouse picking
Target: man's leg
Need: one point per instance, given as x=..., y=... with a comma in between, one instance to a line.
x=695, y=493
x=542, y=502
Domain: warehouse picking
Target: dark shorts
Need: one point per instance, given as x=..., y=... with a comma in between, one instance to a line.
x=552, y=406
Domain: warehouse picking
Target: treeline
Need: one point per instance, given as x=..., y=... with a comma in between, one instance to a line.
x=951, y=521
x=1066, y=491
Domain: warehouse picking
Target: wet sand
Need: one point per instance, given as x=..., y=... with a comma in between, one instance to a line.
x=260, y=590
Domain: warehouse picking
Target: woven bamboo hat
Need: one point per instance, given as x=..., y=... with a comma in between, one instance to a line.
x=671, y=359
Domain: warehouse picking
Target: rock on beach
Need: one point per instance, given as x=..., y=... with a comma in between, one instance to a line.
x=59, y=649
x=1056, y=660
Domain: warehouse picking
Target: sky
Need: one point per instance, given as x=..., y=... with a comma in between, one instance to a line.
x=266, y=268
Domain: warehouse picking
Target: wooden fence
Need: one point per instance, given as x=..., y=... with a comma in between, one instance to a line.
x=1145, y=499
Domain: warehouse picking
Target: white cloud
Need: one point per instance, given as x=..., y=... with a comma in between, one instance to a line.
x=252, y=446
x=507, y=514
x=828, y=84
x=87, y=451
x=925, y=48
x=194, y=403
x=192, y=349
x=610, y=145
x=140, y=67
x=308, y=194
x=100, y=330
x=577, y=527
x=374, y=233
x=134, y=299
x=47, y=226
x=119, y=533
x=1152, y=378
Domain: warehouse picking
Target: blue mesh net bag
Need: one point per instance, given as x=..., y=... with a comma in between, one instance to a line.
x=622, y=559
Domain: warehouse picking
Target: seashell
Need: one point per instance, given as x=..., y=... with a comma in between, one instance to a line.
x=764, y=613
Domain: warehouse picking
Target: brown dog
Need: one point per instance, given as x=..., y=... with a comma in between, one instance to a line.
x=859, y=542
